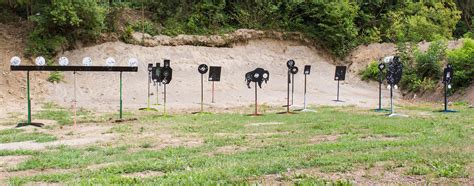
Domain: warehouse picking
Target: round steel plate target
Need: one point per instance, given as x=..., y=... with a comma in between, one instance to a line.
x=133, y=62
x=63, y=61
x=40, y=61
x=87, y=61
x=203, y=68
x=15, y=61
x=110, y=61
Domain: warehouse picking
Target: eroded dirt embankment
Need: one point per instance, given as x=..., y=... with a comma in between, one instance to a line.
x=237, y=53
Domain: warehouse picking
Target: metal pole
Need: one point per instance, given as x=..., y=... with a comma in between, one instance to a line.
x=157, y=93
x=164, y=101
x=304, y=107
x=391, y=99
x=28, y=95
x=121, y=95
x=288, y=94
x=212, y=92
x=202, y=92
x=380, y=90
x=337, y=90
x=292, y=88
x=445, y=97
x=149, y=81
x=75, y=100
x=256, y=103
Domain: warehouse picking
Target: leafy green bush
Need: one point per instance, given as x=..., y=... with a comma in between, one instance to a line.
x=55, y=77
x=462, y=60
x=146, y=26
x=372, y=72
x=422, y=70
x=61, y=23
x=423, y=20
x=428, y=64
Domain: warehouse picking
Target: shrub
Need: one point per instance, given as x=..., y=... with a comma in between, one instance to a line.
x=428, y=64
x=421, y=70
x=462, y=60
x=145, y=26
x=60, y=23
x=55, y=77
x=372, y=72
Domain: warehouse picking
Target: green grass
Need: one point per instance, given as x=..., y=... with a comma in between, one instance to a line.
x=62, y=116
x=18, y=135
x=436, y=146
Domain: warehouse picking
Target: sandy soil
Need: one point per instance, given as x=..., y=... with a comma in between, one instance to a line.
x=100, y=91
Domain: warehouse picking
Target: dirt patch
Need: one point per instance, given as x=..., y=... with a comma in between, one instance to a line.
x=159, y=141
x=231, y=149
x=259, y=134
x=7, y=162
x=4, y=175
x=81, y=135
x=324, y=138
x=266, y=123
x=31, y=145
x=379, y=138
x=146, y=174
x=374, y=175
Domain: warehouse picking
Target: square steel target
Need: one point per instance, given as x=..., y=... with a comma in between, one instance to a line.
x=340, y=73
x=215, y=73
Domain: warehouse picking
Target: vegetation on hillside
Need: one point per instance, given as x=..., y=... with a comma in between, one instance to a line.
x=339, y=26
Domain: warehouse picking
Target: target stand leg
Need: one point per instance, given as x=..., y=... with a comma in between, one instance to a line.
x=337, y=100
x=288, y=105
x=148, y=108
x=201, y=112
x=446, y=110
x=392, y=110
x=256, y=104
x=304, y=109
x=29, y=105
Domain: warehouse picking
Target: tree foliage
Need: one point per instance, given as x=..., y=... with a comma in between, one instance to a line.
x=337, y=25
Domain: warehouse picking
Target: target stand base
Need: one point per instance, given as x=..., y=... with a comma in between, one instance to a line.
x=396, y=115
x=448, y=111
x=254, y=115
x=338, y=101
x=288, y=113
x=201, y=113
x=305, y=110
x=27, y=124
x=148, y=109
x=380, y=110
x=125, y=120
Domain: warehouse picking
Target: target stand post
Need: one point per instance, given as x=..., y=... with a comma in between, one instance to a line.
x=446, y=110
x=380, y=109
x=202, y=98
x=256, y=103
x=337, y=98
x=29, y=105
x=288, y=97
x=148, y=108
x=305, y=109
x=157, y=94
x=392, y=109
x=292, y=90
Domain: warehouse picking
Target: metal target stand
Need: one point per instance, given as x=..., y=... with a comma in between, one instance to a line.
x=256, y=103
x=74, y=69
x=380, y=109
x=148, y=108
x=306, y=73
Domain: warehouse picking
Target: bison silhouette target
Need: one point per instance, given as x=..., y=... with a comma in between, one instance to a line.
x=259, y=75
